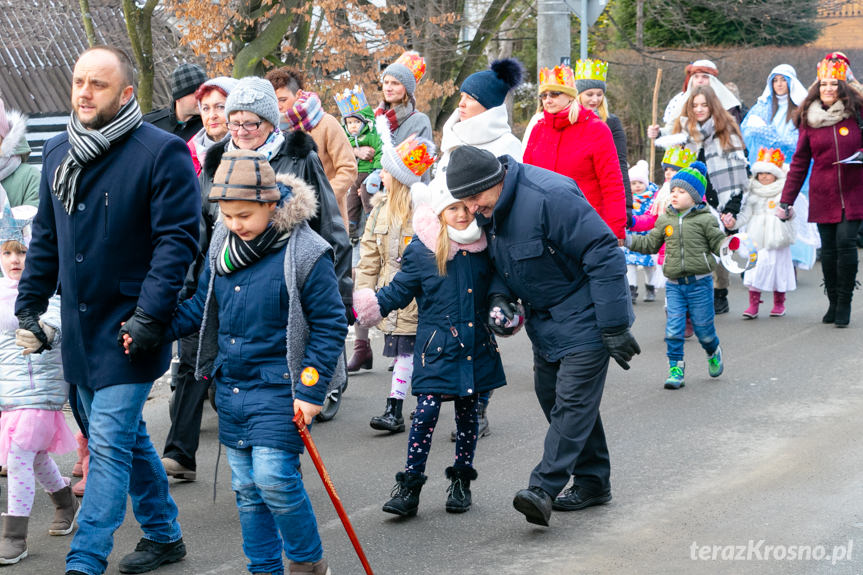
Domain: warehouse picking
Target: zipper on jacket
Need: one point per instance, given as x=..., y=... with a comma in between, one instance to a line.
x=682, y=256
x=454, y=332
x=838, y=169
x=426, y=346
x=106, y=216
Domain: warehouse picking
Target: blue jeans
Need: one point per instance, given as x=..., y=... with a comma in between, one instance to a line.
x=697, y=299
x=123, y=462
x=272, y=501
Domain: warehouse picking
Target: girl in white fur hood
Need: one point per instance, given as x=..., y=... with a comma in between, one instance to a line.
x=447, y=269
x=772, y=236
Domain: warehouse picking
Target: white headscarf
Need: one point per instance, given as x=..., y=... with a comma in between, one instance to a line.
x=726, y=97
x=795, y=88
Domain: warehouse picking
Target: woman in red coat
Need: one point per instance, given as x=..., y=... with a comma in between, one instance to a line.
x=829, y=121
x=571, y=140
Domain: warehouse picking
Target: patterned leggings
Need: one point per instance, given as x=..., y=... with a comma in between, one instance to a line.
x=425, y=420
x=23, y=466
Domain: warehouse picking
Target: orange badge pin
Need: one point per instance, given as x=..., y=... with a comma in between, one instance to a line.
x=843, y=131
x=771, y=204
x=669, y=230
x=309, y=377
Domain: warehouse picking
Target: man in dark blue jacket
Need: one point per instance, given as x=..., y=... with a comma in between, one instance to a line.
x=552, y=251
x=117, y=228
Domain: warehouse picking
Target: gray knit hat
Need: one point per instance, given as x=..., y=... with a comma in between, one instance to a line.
x=408, y=70
x=589, y=84
x=244, y=175
x=255, y=95
x=185, y=79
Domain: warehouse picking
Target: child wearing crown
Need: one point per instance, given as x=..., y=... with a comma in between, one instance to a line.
x=358, y=120
x=772, y=236
x=387, y=234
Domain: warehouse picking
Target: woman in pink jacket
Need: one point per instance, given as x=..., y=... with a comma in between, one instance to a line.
x=829, y=121
x=573, y=141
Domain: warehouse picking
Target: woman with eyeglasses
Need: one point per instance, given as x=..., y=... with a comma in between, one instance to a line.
x=211, y=96
x=252, y=111
x=829, y=121
x=571, y=140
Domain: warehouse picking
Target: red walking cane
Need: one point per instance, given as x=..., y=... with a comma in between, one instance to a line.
x=331, y=490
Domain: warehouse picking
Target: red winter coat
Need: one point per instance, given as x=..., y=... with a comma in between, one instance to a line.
x=585, y=152
x=832, y=187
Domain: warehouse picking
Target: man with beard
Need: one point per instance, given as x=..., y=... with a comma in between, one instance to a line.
x=117, y=228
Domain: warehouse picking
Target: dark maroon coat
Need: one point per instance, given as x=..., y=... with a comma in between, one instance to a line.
x=832, y=187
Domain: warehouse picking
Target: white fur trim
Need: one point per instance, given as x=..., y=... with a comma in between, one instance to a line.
x=17, y=132
x=769, y=168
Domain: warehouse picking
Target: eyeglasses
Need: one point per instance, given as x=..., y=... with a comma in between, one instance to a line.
x=247, y=126
x=545, y=95
x=218, y=108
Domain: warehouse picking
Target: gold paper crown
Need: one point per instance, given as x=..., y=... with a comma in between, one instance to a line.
x=351, y=101
x=559, y=75
x=415, y=154
x=414, y=62
x=679, y=157
x=591, y=70
x=771, y=155
x=832, y=70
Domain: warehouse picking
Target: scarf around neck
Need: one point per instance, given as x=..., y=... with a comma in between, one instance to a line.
x=269, y=148
x=8, y=164
x=306, y=113
x=818, y=117
x=203, y=143
x=86, y=146
x=466, y=236
x=237, y=253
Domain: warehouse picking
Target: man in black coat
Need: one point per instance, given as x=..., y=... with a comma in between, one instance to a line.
x=552, y=251
x=182, y=117
x=117, y=228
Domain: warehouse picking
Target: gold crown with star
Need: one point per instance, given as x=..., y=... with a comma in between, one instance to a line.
x=591, y=70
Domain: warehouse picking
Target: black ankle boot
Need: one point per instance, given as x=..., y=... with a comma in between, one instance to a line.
x=458, y=493
x=846, y=281
x=392, y=419
x=720, y=301
x=405, y=497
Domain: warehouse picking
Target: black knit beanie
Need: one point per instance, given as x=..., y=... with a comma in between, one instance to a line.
x=471, y=171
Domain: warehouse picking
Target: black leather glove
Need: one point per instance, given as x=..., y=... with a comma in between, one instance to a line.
x=507, y=308
x=349, y=313
x=29, y=320
x=146, y=333
x=621, y=345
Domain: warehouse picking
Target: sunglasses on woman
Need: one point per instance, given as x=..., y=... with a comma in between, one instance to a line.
x=545, y=95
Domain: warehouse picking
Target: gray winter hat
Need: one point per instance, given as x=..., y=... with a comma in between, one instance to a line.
x=255, y=95
x=589, y=84
x=408, y=70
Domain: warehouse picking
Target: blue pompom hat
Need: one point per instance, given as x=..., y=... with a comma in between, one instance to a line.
x=693, y=179
x=490, y=87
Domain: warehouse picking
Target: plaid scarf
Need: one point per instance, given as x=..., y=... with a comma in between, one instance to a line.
x=88, y=145
x=306, y=112
x=237, y=253
x=726, y=169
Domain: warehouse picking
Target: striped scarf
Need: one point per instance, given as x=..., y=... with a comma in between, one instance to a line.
x=237, y=253
x=306, y=112
x=88, y=145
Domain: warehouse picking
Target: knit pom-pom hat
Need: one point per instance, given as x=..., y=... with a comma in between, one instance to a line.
x=490, y=87
x=692, y=179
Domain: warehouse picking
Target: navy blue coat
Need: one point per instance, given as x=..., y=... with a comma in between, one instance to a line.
x=455, y=353
x=551, y=250
x=128, y=243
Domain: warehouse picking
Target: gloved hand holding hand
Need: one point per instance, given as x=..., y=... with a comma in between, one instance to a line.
x=144, y=333
x=621, y=344
x=30, y=329
x=785, y=212
x=503, y=315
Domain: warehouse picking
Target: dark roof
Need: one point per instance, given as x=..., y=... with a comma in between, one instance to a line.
x=40, y=40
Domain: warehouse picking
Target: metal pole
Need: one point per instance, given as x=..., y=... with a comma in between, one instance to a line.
x=583, y=22
x=552, y=33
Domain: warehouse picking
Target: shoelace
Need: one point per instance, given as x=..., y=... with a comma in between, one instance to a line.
x=456, y=490
x=400, y=491
x=676, y=371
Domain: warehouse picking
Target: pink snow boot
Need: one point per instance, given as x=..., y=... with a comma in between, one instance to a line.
x=778, y=304
x=754, y=299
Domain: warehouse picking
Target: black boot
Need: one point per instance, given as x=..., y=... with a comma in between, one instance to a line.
x=392, y=419
x=846, y=281
x=149, y=555
x=720, y=301
x=828, y=269
x=458, y=493
x=633, y=293
x=406, y=494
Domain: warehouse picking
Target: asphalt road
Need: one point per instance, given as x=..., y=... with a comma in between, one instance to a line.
x=757, y=471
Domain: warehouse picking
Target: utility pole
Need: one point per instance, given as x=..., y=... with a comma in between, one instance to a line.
x=553, y=33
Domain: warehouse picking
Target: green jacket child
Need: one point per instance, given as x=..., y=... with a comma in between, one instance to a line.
x=360, y=128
